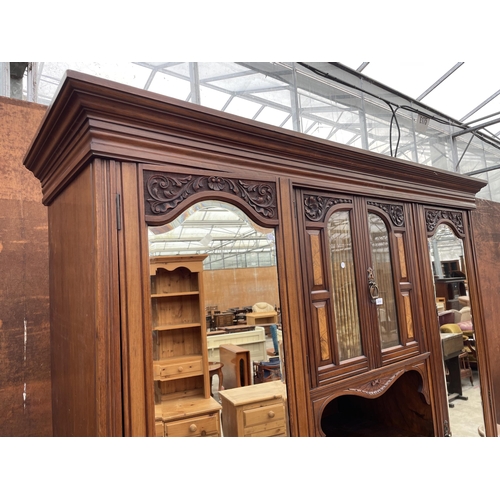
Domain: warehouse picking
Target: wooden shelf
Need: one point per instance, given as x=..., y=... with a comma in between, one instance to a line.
x=172, y=294
x=176, y=326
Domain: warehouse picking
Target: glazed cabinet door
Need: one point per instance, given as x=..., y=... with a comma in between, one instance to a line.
x=359, y=282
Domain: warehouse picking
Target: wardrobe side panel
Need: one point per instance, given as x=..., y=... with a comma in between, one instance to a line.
x=72, y=309
x=487, y=245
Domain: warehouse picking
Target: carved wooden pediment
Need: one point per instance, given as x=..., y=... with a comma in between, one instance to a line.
x=164, y=192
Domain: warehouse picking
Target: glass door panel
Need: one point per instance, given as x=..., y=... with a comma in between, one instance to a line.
x=382, y=271
x=345, y=303
x=359, y=274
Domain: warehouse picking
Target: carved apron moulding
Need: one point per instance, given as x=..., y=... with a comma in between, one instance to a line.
x=377, y=386
x=164, y=192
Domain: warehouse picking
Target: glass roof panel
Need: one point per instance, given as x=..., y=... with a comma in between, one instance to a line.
x=122, y=72
x=281, y=97
x=180, y=69
x=273, y=116
x=211, y=70
x=170, y=85
x=248, y=83
x=334, y=103
x=213, y=98
x=411, y=78
x=243, y=107
x=468, y=87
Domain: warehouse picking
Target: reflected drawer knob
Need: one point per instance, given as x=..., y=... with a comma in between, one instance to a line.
x=180, y=369
x=193, y=428
x=270, y=414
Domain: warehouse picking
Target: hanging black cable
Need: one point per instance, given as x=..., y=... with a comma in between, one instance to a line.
x=388, y=103
x=394, y=119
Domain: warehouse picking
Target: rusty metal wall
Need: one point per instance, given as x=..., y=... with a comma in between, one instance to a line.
x=25, y=390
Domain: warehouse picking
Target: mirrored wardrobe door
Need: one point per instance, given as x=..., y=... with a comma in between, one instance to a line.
x=456, y=325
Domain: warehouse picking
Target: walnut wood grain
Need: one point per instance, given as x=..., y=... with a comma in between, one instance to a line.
x=488, y=255
x=99, y=139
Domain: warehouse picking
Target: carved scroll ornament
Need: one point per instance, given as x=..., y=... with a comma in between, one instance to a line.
x=434, y=217
x=165, y=192
x=395, y=212
x=315, y=207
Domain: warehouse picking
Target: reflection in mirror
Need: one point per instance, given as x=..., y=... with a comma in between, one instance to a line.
x=239, y=317
x=457, y=332
x=344, y=285
x=382, y=267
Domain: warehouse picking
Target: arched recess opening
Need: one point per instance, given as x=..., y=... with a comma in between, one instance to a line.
x=380, y=410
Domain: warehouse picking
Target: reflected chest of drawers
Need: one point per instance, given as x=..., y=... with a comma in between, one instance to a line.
x=255, y=410
x=188, y=417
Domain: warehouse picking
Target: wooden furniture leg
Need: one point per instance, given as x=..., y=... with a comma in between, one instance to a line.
x=216, y=368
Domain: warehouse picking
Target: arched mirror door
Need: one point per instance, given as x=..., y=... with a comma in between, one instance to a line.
x=456, y=325
x=216, y=320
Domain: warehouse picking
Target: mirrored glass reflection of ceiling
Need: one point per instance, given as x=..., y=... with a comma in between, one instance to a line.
x=445, y=242
x=213, y=228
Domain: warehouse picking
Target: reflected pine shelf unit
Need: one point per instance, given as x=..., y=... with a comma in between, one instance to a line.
x=183, y=405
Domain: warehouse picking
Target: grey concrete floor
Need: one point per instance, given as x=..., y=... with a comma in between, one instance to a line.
x=467, y=416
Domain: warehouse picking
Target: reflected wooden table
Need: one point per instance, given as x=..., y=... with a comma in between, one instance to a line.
x=215, y=368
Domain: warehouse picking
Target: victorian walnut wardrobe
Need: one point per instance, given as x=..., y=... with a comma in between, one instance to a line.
x=358, y=314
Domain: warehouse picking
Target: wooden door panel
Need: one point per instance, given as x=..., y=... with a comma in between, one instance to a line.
x=335, y=229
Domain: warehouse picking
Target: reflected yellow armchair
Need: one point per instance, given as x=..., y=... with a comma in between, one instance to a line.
x=467, y=352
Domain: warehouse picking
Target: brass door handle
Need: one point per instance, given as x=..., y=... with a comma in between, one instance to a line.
x=372, y=285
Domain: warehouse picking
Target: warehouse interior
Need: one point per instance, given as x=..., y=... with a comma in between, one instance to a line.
x=352, y=104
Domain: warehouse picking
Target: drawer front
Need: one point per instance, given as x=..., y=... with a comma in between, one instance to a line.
x=264, y=414
x=207, y=425
x=178, y=369
x=267, y=420
x=279, y=431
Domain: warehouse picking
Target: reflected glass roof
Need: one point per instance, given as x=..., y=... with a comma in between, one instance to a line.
x=218, y=229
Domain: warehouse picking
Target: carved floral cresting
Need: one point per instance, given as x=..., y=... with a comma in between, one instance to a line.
x=395, y=212
x=315, y=207
x=434, y=217
x=164, y=192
